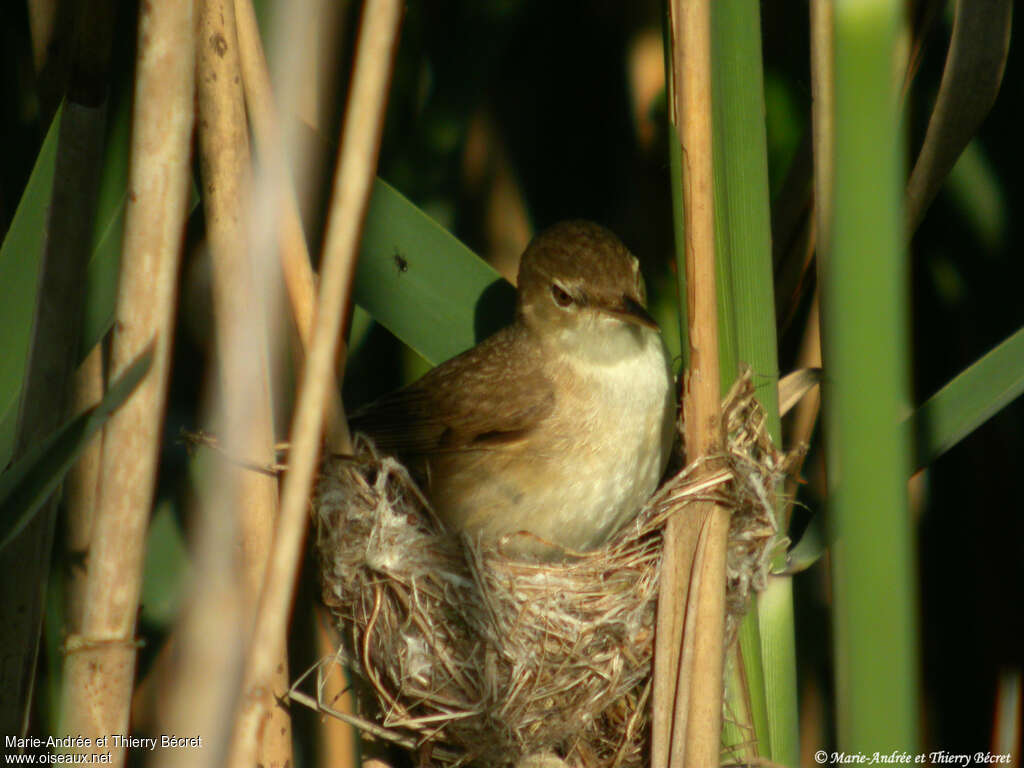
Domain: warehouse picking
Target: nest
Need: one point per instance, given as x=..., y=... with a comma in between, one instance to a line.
x=473, y=656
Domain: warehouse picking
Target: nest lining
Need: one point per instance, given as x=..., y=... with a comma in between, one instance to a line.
x=491, y=659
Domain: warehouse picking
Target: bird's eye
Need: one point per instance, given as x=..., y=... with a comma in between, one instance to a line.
x=560, y=295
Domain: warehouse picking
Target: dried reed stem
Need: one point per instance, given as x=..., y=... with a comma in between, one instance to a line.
x=81, y=491
x=680, y=545
x=207, y=645
x=282, y=222
x=259, y=101
x=807, y=410
x=239, y=283
x=356, y=167
x=696, y=727
x=42, y=24
x=693, y=64
x=100, y=665
x=336, y=740
x=823, y=146
x=52, y=32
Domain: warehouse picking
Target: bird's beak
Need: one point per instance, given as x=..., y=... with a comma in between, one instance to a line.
x=632, y=311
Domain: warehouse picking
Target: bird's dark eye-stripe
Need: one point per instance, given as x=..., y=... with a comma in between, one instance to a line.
x=560, y=295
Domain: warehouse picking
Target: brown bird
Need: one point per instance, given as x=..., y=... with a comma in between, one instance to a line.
x=560, y=424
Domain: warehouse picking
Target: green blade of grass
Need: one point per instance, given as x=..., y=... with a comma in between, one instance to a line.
x=422, y=284
x=19, y=274
x=970, y=82
x=969, y=400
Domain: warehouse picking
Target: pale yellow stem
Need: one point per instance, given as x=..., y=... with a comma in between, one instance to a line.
x=81, y=490
x=259, y=100
x=278, y=218
x=696, y=725
x=241, y=317
x=99, y=670
x=357, y=163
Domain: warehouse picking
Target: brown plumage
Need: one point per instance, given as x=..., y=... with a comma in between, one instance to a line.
x=559, y=424
x=457, y=406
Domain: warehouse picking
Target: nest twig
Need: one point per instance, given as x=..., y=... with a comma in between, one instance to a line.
x=491, y=659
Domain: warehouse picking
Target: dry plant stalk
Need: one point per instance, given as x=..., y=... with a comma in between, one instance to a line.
x=276, y=227
x=259, y=101
x=468, y=655
x=357, y=163
x=808, y=407
x=42, y=25
x=52, y=32
x=81, y=490
x=695, y=544
x=823, y=133
x=100, y=663
x=239, y=286
x=336, y=741
x=205, y=661
x=281, y=222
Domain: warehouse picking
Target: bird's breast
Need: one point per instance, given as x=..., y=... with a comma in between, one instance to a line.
x=625, y=432
x=581, y=473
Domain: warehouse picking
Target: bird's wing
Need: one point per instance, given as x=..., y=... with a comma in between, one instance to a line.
x=489, y=396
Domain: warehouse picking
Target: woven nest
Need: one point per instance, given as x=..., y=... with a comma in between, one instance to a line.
x=473, y=656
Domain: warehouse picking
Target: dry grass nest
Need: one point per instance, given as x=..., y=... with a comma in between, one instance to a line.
x=471, y=656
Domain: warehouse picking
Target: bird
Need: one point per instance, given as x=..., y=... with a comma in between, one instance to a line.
x=549, y=435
